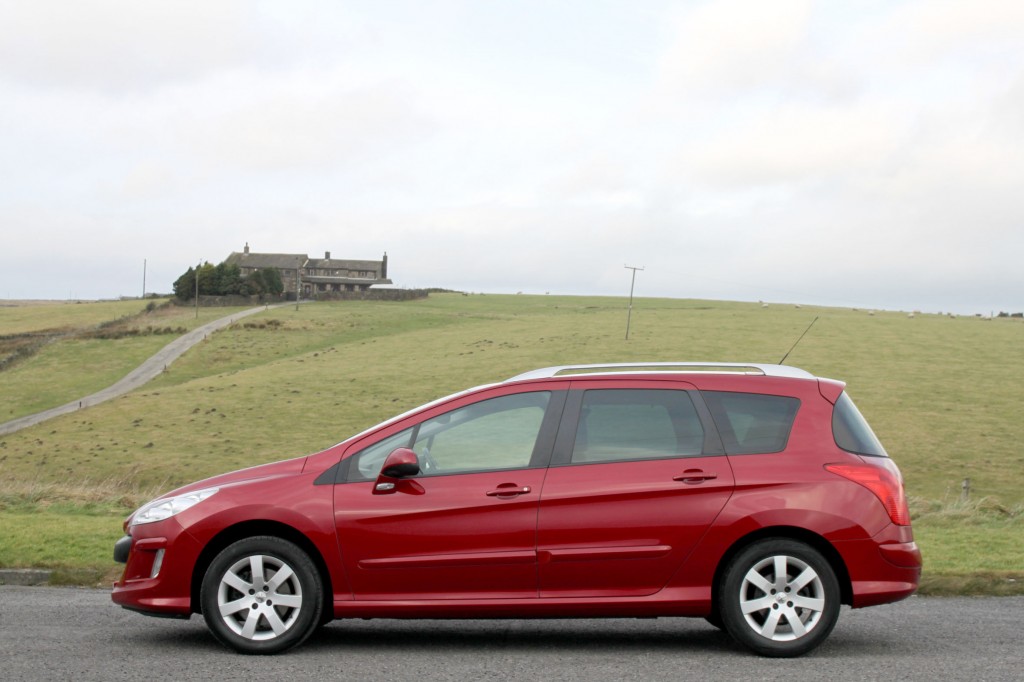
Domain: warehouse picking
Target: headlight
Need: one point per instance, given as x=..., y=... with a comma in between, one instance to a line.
x=158, y=510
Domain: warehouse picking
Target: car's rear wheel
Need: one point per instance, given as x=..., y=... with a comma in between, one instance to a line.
x=779, y=598
x=262, y=595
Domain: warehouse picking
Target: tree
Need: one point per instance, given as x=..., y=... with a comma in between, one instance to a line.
x=225, y=280
x=252, y=285
x=272, y=281
x=207, y=280
x=185, y=286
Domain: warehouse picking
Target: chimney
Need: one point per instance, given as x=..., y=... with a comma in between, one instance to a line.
x=384, y=266
x=327, y=255
x=246, y=250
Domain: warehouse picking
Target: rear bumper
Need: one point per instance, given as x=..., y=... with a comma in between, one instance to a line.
x=884, y=569
x=902, y=554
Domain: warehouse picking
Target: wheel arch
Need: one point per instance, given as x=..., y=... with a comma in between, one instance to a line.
x=817, y=542
x=252, y=528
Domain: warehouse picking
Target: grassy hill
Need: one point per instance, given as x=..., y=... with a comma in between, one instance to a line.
x=939, y=391
x=53, y=353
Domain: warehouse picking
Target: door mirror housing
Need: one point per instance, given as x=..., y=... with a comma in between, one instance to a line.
x=400, y=464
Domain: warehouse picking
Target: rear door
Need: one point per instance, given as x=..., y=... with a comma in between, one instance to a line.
x=638, y=475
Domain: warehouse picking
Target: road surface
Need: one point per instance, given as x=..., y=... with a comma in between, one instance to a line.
x=79, y=634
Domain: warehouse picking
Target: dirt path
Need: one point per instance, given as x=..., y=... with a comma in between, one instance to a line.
x=139, y=376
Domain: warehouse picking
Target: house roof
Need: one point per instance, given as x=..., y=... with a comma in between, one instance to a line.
x=339, y=264
x=281, y=261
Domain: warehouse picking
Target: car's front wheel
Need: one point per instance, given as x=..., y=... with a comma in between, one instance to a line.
x=262, y=595
x=779, y=598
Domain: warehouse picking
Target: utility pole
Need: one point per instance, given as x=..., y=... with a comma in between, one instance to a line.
x=197, y=288
x=143, y=279
x=629, y=311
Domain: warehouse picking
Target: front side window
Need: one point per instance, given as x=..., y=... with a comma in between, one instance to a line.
x=626, y=424
x=752, y=422
x=499, y=433
x=367, y=463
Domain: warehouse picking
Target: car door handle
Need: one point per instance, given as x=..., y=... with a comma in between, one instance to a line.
x=695, y=476
x=508, y=490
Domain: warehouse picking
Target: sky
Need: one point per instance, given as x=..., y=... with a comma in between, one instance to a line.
x=866, y=154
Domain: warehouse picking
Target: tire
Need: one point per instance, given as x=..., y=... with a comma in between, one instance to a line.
x=274, y=612
x=779, y=598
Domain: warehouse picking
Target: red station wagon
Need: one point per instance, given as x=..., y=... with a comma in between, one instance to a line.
x=754, y=496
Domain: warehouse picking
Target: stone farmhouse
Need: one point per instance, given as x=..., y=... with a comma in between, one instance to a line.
x=315, y=275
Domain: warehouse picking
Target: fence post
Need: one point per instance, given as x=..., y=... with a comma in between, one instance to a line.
x=965, y=490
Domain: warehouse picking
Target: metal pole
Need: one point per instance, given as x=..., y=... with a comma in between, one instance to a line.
x=197, y=288
x=629, y=311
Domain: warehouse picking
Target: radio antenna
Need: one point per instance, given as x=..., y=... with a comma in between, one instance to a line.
x=799, y=340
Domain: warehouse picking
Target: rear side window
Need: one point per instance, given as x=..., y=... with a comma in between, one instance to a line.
x=751, y=422
x=625, y=424
x=851, y=430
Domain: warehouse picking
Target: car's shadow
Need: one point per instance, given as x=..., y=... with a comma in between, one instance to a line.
x=566, y=637
x=534, y=635
x=582, y=636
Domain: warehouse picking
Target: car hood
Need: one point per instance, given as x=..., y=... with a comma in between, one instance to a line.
x=286, y=467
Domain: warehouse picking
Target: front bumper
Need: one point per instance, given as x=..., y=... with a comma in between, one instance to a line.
x=122, y=548
x=157, y=578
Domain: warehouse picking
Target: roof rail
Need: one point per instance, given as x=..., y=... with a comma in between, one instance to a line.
x=663, y=367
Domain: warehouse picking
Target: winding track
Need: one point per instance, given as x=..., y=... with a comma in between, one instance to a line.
x=148, y=370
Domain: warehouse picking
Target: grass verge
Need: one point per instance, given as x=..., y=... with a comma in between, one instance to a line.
x=973, y=547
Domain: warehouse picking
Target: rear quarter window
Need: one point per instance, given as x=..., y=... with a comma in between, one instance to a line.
x=851, y=430
x=751, y=423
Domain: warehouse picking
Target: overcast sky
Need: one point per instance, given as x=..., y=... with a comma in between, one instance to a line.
x=866, y=154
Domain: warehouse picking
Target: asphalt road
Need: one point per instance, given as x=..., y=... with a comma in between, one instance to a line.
x=66, y=633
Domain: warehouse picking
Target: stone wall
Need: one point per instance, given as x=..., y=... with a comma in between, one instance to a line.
x=373, y=295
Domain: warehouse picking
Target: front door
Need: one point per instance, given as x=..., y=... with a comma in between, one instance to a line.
x=465, y=526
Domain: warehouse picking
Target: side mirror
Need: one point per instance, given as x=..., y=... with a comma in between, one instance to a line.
x=400, y=464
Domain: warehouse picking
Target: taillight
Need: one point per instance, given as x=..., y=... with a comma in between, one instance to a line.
x=882, y=479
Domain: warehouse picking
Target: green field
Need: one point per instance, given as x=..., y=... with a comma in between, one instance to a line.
x=941, y=393
x=70, y=359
